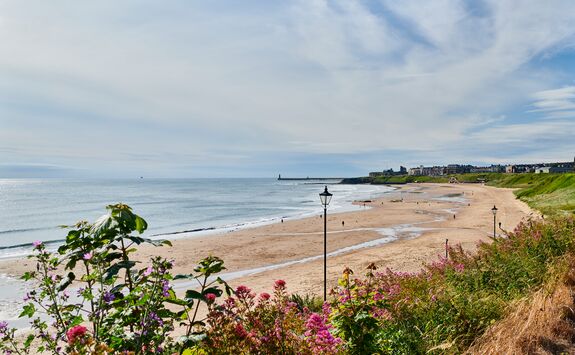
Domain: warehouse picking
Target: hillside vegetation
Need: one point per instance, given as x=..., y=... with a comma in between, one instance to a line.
x=550, y=193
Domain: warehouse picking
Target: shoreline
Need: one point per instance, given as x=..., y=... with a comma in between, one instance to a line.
x=21, y=250
x=415, y=218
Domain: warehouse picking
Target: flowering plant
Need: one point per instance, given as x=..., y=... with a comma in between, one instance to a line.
x=91, y=297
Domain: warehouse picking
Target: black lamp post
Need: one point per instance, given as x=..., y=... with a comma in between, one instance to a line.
x=325, y=198
x=494, y=210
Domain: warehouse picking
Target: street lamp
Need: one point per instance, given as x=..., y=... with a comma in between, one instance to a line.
x=325, y=198
x=494, y=210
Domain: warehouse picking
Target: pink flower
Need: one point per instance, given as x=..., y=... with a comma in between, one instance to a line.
x=240, y=331
x=148, y=271
x=37, y=244
x=243, y=291
x=318, y=335
x=459, y=267
x=394, y=290
x=265, y=296
x=378, y=296
x=88, y=256
x=280, y=284
x=76, y=333
x=210, y=298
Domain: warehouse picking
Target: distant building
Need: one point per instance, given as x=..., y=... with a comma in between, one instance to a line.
x=452, y=169
x=488, y=169
x=427, y=171
x=558, y=167
x=553, y=170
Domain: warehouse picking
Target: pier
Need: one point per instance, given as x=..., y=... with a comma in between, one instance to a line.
x=310, y=178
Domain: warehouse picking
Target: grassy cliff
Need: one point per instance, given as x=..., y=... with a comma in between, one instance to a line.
x=549, y=193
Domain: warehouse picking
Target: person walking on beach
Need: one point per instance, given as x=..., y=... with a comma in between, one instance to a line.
x=342, y=223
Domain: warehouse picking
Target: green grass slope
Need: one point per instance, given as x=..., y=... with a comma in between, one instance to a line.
x=549, y=193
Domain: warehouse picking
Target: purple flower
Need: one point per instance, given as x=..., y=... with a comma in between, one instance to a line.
x=148, y=271
x=88, y=256
x=108, y=297
x=37, y=244
x=165, y=288
x=3, y=328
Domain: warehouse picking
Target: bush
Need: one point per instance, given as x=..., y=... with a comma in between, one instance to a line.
x=451, y=302
x=118, y=307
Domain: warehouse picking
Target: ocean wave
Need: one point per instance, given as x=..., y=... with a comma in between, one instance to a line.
x=30, y=245
x=20, y=230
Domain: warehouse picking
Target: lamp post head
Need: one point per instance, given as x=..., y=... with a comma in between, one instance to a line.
x=494, y=210
x=325, y=198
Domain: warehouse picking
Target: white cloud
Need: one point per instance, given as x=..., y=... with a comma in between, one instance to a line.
x=556, y=103
x=182, y=81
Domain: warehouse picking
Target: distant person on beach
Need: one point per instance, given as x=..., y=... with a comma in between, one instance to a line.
x=453, y=216
x=342, y=223
x=282, y=220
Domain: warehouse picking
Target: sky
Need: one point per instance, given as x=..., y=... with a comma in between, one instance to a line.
x=302, y=88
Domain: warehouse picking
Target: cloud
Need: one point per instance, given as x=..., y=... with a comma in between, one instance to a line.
x=143, y=85
x=555, y=103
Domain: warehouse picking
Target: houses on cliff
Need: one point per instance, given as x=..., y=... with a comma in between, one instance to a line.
x=557, y=167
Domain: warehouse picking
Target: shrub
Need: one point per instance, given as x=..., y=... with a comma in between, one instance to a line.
x=117, y=306
x=451, y=302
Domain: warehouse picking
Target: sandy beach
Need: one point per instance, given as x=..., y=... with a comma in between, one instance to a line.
x=401, y=231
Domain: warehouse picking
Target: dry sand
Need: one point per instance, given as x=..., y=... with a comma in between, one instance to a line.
x=299, y=239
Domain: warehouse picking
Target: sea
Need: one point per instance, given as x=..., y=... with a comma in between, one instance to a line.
x=35, y=209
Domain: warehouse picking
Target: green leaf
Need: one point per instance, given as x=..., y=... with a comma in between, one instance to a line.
x=137, y=240
x=113, y=256
x=71, y=264
x=29, y=340
x=141, y=224
x=215, y=290
x=28, y=311
x=104, y=226
x=193, y=295
x=114, y=269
